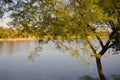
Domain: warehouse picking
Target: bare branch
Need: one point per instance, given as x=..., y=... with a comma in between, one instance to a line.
x=7, y=1
x=105, y=48
x=110, y=45
x=100, y=41
x=107, y=43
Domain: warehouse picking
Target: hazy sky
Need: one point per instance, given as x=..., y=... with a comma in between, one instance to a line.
x=5, y=20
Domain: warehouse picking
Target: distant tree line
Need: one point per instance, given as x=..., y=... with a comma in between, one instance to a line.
x=14, y=33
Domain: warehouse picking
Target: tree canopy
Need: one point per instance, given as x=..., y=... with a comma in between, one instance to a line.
x=64, y=18
x=67, y=20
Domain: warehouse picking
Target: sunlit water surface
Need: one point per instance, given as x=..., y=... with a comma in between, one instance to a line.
x=50, y=64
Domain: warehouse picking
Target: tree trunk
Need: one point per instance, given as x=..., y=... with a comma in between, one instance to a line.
x=100, y=70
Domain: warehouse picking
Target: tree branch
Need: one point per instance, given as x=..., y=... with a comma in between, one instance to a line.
x=7, y=1
x=107, y=43
x=105, y=48
x=110, y=45
x=100, y=41
x=91, y=46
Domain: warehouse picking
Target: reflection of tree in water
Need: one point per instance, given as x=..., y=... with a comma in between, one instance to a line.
x=1, y=47
x=7, y=47
x=10, y=46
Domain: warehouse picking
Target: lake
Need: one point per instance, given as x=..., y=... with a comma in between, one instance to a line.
x=22, y=60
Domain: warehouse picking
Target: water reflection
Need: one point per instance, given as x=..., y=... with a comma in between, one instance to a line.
x=51, y=61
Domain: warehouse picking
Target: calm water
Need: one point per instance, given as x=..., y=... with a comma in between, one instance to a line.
x=50, y=64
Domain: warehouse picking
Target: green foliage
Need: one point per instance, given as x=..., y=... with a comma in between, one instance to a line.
x=63, y=18
x=14, y=33
x=67, y=19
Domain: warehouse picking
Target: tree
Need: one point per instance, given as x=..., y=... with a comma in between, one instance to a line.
x=71, y=19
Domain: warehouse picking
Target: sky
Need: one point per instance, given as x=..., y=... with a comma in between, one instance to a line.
x=5, y=20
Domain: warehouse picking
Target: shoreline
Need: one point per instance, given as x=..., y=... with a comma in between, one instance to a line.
x=44, y=39
x=17, y=39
